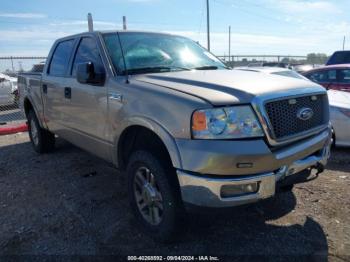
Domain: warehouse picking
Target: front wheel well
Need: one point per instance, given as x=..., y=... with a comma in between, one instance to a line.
x=136, y=138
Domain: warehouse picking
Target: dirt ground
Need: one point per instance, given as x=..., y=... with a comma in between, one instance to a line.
x=72, y=203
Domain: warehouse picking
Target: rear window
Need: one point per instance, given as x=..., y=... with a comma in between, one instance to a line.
x=339, y=58
x=60, y=58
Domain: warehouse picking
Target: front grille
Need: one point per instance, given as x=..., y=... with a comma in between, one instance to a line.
x=283, y=115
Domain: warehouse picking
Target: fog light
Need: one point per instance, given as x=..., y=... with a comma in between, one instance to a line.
x=239, y=190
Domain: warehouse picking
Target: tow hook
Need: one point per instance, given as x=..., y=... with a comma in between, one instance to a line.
x=320, y=168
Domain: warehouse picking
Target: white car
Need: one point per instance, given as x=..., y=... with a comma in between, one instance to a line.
x=8, y=90
x=339, y=102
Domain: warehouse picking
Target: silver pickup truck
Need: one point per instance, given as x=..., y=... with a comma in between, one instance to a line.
x=187, y=130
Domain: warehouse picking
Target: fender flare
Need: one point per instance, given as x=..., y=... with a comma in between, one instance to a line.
x=40, y=117
x=156, y=128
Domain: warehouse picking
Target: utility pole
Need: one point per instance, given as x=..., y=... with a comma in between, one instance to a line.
x=90, y=22
x=124, y=22
x=229, y=43
x=13, y=69
x=208, y=26
x=344, y=43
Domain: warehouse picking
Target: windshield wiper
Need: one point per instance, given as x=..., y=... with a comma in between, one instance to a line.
x=206, y=68
x=209, y=67
x=153, y=69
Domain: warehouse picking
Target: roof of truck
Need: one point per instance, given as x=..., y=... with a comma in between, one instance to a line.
x=116, y=31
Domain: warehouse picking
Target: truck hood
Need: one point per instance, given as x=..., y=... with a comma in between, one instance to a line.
x=224, y=87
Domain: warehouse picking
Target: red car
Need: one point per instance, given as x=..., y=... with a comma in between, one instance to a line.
x=331, y=77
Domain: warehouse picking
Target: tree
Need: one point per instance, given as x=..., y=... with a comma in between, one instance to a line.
x=316, y=58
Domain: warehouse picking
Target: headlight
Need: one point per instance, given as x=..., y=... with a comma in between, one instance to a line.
x=225, y=123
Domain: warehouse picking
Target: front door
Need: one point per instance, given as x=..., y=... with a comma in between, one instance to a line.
x=87, y=103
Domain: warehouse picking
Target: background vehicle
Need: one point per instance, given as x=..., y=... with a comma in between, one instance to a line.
x=302, y=68
x=339, y=57
x=8, y=90
x=331, y=77
x=38, y=68
x=340, y=116
x=268, y=64
x=186, y=129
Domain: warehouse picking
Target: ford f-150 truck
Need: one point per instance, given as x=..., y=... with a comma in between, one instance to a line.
x=187, y=130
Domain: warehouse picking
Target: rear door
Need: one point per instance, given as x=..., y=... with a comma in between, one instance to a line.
x=54, y=82
x=344, y=79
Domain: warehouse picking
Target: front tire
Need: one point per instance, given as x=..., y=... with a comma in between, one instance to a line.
x=42, y=140
x=154, y=196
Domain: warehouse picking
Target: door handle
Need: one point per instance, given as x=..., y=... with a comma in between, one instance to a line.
x=44, y=88
x=68, y=92
x=115, y=96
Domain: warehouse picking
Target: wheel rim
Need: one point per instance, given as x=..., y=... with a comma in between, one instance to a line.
x=34, y=132
x=148, y=197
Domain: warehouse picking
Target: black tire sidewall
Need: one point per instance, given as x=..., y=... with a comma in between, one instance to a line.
x=46, y=140
x=172, y=213
x=31, y=116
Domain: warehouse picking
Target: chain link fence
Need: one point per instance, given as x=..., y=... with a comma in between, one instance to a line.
x=11, y=118
x=263, y=60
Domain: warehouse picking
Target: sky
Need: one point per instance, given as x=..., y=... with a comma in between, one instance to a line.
x=259, y=27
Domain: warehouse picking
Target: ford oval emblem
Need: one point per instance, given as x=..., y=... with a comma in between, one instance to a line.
x=305, y=113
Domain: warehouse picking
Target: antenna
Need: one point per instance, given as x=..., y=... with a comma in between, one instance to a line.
x=90, y=22
x=208, y=26
x=229, y=43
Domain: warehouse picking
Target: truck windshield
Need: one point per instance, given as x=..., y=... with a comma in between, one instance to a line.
x=155, y=53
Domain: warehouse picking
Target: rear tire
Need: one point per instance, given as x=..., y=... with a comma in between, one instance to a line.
x=154, y=196
x=42, y=140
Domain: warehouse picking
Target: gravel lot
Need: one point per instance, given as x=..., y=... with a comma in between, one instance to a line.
x=72, y=203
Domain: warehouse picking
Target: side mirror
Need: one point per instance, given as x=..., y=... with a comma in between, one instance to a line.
x=88, y=74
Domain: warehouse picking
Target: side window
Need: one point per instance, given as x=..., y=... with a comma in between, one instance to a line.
x=332, y=75
x=344, y=76
x=60, y=58
x=87, y=52
x=324, y=76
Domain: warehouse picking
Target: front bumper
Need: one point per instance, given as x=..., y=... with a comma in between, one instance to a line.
x=207, y=191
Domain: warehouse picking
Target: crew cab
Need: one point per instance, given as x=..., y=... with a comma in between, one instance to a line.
x=185, y=129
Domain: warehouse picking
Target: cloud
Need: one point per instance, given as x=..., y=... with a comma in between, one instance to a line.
x=23, y=15
x=84, y=23
x=41, y=40
x=304, y=6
